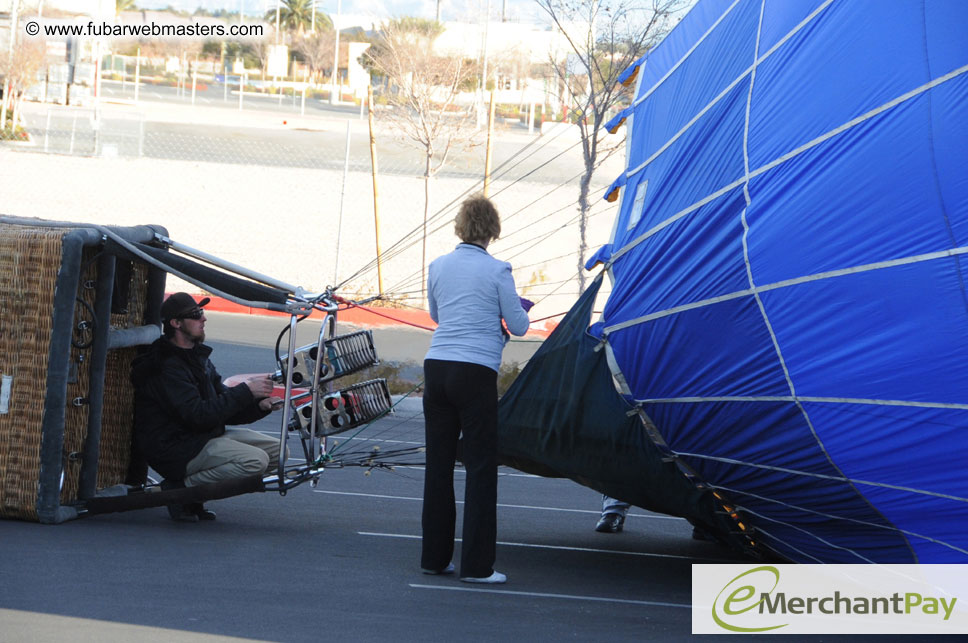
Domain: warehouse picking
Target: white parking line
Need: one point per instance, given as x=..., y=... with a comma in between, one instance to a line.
x=380, y=440
x=592, y=550
x=338, y=440
x=601, y=599
x=500, y=504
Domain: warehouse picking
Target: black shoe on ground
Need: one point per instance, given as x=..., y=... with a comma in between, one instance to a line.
x=178, y=512
x=610, y=523
x=181, y=513
x=201, y=512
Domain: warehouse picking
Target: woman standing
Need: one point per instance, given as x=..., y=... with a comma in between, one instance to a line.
x=470, y=293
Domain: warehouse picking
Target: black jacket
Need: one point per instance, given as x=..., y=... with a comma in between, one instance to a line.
x=180, y=404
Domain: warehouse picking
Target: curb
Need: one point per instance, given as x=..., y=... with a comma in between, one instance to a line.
x=393, y=317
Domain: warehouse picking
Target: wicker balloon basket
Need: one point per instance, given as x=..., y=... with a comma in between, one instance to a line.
x=73, y=309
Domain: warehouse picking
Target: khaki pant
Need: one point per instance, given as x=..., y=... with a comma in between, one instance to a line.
x=239, y=453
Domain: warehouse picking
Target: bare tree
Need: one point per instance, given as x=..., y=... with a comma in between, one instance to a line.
x=261, y=50
x=423, y=92
x=512, y=63
x=316, y=49
x=604, y=38
x=19, y=69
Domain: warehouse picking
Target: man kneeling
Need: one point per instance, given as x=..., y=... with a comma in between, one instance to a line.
x=181, y=408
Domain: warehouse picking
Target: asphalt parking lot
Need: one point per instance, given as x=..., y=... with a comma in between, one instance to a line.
x=342, y=561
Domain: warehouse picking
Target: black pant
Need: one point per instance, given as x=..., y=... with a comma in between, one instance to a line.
x=460, y=399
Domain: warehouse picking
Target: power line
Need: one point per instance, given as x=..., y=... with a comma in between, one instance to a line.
x=398, y=248
x=409, y=280
x=394, y=250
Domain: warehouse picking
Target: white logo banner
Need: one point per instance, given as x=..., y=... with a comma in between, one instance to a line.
x=829, y=599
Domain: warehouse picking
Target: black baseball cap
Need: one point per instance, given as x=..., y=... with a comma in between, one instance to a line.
x=180, y=304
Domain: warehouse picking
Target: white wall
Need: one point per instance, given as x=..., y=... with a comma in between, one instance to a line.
x=532, y=41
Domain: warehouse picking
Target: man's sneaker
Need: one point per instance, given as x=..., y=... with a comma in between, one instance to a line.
x=437, y=572
x=494, y=579
x=192, y=512
x=610, y=523
x=181, y=513
x=201, y=512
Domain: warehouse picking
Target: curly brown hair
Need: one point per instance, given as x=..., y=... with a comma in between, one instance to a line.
x=477, y=220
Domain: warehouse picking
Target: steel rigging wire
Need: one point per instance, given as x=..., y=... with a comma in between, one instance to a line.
x=415, y=234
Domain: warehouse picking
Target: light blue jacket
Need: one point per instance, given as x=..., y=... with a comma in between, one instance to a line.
x=469, y=292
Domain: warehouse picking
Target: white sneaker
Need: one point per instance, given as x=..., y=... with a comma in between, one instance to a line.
x=437, y=572
x=493, y=579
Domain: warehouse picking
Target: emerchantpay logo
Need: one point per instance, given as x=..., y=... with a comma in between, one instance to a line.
x=829, y=599
x=748, y=591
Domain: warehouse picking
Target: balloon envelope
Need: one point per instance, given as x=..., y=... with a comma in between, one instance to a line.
x=789, y=269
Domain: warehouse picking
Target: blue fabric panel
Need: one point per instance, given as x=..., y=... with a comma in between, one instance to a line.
x=875, y=443
x=817, y=81
x=816, y=212
x=730, y=354
x=616, y=184
x=893, y=334
x=706, y=158
x=949, y=113
x=697, y=81
x=821, y=518
x=934, y=551
x=943, y=538
x=628, y=72
x=602, y=255
x=652, y=277
x=826, y=496
x=773, y=434
x=615, y=120
x=944, y=35
x=816, y=542
x=890, y=188
x=780, y=18
x=626, y=207
x=936, y=518
x=675, y=45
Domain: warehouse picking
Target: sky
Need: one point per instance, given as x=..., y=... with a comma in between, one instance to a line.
x=464, y=10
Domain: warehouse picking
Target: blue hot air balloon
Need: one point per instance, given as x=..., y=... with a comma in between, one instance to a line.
x=783, y=358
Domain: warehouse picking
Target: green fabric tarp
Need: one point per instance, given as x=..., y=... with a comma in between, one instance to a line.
x=563, y=417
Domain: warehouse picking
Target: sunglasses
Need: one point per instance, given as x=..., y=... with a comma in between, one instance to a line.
x=194, y=314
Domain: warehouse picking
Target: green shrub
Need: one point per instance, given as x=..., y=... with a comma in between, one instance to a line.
x=9, y=133
x=506, y=377
x=402, y=377
x=406, y=377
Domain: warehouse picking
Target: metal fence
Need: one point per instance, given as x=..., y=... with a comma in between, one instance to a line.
x=73, y=130
x=293, y=196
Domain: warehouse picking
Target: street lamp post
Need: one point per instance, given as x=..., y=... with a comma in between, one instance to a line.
x=333, y=92
x=7, y=84
x=480, y=108
x=278, y=10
